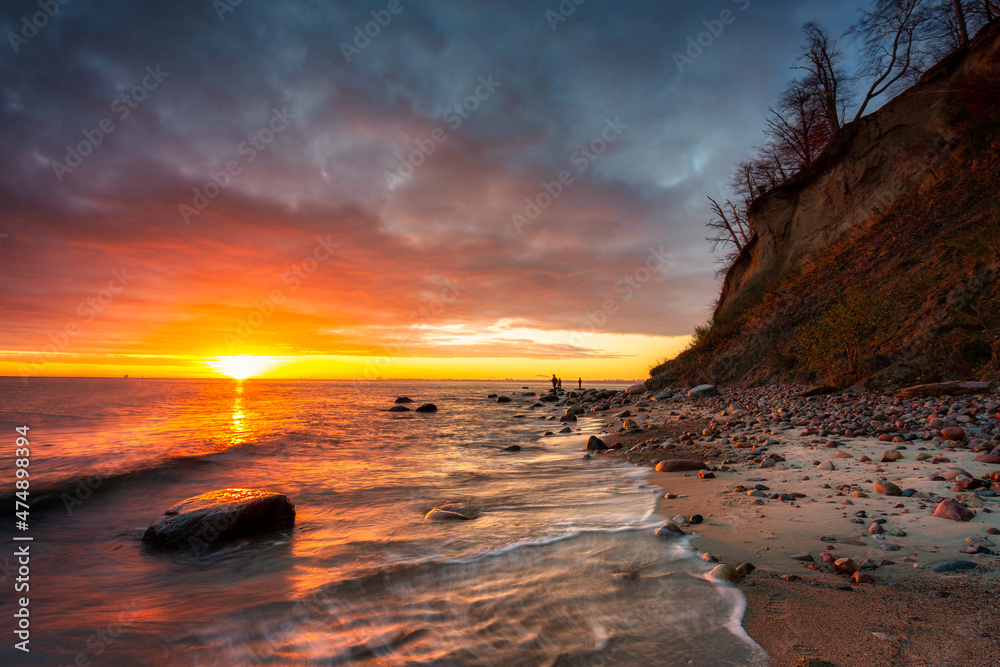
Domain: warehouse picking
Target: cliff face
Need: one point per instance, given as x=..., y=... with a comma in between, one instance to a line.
x=871, y=164
x=882, y=259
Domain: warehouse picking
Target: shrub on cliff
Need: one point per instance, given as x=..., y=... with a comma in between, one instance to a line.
x=837, y=344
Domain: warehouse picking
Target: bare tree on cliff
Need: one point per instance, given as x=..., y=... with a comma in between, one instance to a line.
x=825, y=74
x=729, y=226
x=891, y=45
x=798, y=127
x=952, y=23
x=985, y=10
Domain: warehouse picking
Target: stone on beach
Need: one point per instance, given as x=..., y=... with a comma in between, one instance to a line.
x=891, y=455
x=726, y=573
x=826, y=465
x=845, y=565
x=221, y=516
x=949, y=508
x=953, y=433
x=670, y=529
x=887, y=488
x=440, y=514
x=953, y=566
x=639, y=388
x=703, y=390
x=596, y=444
x=679, y=465
x=862, y=578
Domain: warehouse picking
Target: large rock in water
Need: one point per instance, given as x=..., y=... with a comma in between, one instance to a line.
x=221, y=516
x=427, y=407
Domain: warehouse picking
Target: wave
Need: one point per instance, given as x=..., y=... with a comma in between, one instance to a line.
x=99, y=481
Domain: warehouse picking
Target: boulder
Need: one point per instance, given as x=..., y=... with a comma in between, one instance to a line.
x=221, y=516
x=639, y=388
x=427, y=407
x=596, y=444
x=949, y=508
x=826, y=465
x=403, y=399
x=988, y=457
x=399, y=408
x=726, y=573
x=703, y=390
x=890, y=456
x=503, y=399
x=679, y=465
x=568, y=418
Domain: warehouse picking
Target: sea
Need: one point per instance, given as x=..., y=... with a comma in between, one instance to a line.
x=560, y=565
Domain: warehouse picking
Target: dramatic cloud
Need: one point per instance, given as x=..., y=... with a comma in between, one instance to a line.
x=180, y=174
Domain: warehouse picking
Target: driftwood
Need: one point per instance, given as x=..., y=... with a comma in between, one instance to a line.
x=944, y=389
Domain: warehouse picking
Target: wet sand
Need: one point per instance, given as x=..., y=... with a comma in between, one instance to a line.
x=797, y=611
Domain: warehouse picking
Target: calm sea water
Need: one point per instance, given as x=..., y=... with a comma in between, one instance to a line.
x=362, y=579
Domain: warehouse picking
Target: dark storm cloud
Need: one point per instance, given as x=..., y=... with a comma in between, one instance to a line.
x=213, y=77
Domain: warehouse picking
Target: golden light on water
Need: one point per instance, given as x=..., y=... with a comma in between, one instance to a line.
x=243, y=366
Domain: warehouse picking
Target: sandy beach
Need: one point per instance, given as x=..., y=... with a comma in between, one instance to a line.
x=792, y=491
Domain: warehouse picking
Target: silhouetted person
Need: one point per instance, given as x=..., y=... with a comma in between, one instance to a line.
x=580, y=382
x=555, y=381
x=559, y=383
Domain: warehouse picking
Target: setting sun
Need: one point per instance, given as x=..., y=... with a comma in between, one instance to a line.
x=243, y=366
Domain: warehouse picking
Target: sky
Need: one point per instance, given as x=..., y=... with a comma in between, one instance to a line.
x=397, y=188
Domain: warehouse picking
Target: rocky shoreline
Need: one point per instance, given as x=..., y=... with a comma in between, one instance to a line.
x=862, y=528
